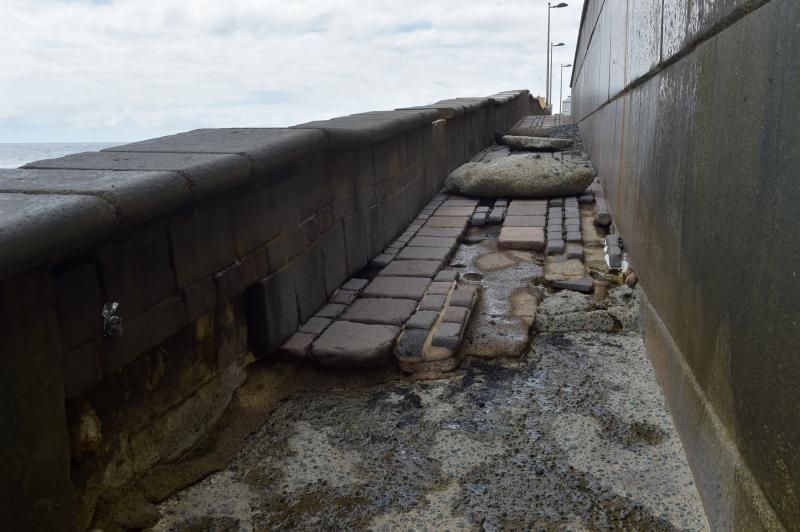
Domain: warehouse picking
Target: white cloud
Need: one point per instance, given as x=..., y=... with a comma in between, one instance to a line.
x=128, y=69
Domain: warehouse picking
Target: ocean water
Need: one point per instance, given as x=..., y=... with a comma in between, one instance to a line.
x=15, y=154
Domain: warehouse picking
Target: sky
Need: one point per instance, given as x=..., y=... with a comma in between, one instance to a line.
x=125, y=70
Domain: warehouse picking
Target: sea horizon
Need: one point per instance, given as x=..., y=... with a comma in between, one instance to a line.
x=16, y=154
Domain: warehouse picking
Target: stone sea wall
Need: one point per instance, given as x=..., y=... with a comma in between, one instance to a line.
x=216, y=243
x=689, y=110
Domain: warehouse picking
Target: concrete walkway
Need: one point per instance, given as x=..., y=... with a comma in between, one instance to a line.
x=548, y=415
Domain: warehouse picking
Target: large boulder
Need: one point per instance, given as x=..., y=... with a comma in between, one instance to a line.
x=522, y=176
x=535, y=143
x=523, y=131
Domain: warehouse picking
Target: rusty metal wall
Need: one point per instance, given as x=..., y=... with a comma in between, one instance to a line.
x=689, y=109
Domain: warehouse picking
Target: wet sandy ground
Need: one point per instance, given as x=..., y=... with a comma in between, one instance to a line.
x=572, y=434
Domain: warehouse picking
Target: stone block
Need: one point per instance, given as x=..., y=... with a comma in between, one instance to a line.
x=343, y=297
x=81, y=369
x=454, y=211
x=380, y=310
x=309, y=281
x=441, y=231
x=434, y=241
x=456, y=222
x=584, y=284
x=478, y=219
x=586, y=199
x=397, y=287
x=382, y=260
x=521, y=209
x=346, y=344
x=556, y=202
x=455, y=315
x=432, y=302
x=355, y=284
x=298, y=345
x=200, y=298
x=255, y=266
x=555, y=246
x=531, y=238
x=315, y=325
x=447, y=275
x=229, y=283
x=524, y=221
x=254, y=221
x=410, y=344
x=573, y=236
x=422, y=319
x=202, y=241
x=334, y=258
x=412, y=268
x=501, y=203
x=440, y=287
x=271, y=309
x=411, y=252
x=497, y=216
x=79, y=303
x=277, y=253
x=463, y=296
x=447, y=335
x=574, y=251
x=331, y=310
x=355, y=243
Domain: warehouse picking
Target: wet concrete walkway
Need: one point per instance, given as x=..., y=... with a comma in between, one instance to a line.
x=552, y=421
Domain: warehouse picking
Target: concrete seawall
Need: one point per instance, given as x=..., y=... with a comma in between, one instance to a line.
x=689, y=111
x=216, y=243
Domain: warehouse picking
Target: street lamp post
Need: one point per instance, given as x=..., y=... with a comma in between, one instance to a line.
x=547, y=67
x=550, y=87
x=561, y=87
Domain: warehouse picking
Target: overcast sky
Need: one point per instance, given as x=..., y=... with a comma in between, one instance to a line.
x=121, y=70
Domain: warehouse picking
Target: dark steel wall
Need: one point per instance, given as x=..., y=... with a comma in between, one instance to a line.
x=691, y=112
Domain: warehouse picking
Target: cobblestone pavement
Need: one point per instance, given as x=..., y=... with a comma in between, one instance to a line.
x=547, y=416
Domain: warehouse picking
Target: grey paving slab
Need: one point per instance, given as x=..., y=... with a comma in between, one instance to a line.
x=441, y=231
x=410, y=344
x=315, y=325
x=497, y=216
x=380, y=310
x=574, y=251
x=347, y=343
x=463, y=296
x=382, y=260
x=455, y=315
x=517, y=209
x=458, y=222
x=574, y=236
x=355, y=284
x=555, y=246
x=343, y=297
x=432, y=302
x=454, y=211
x=434, y=241
x=447, y=275
x=397, y=287
x=422, y=319
x=412, y=268
x=440, y=287
x=478, y=219
x=298, y=345
x=424, y=253
x=331, y=310
x=530, y=238
x=447, y=335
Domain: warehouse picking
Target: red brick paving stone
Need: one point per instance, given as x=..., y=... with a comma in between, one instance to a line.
x=411, y=268
x=424, y=253
x=346, y=343
x=298, y=344
x=441, y=231
x=314, y=325
x=397, y=287
x=380, y=310
x=454, y=211
x=434, y=241
x=455, y=315
x=447, y=221
x=331, y=310
x=531, y=238
x=524, y=221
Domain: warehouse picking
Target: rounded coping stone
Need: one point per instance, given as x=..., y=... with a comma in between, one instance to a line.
x=346, y=343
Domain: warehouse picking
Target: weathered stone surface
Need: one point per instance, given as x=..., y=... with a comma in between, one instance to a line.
x=424, y=253
x=529, y=143
x=382, y=260
x=298, y=344
x=432, y=302
x=574, y=251
x=440, y=287
x=463, y=296
x=412, y=268
x=380, y=310
x=521, y=176
x=573, y=236
x=524, y=221
x=478, y=219
x=569, y=269
x=555, y=246
x=355, y=284
x=343, y=297
x=447, y=275
x=525, y=131
x=397, y=287
x=433, y=241
x=422, y=319
x=410, y=345
x=584, y=284
x=526, y=209
x=315, y=325
x=455, y=315
x=346, y=343
x=331, y=310
x=497, y=216
x=447, y=335
x=521, y=238
x=440, y=232
x=459, y=222
x=454, y=211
